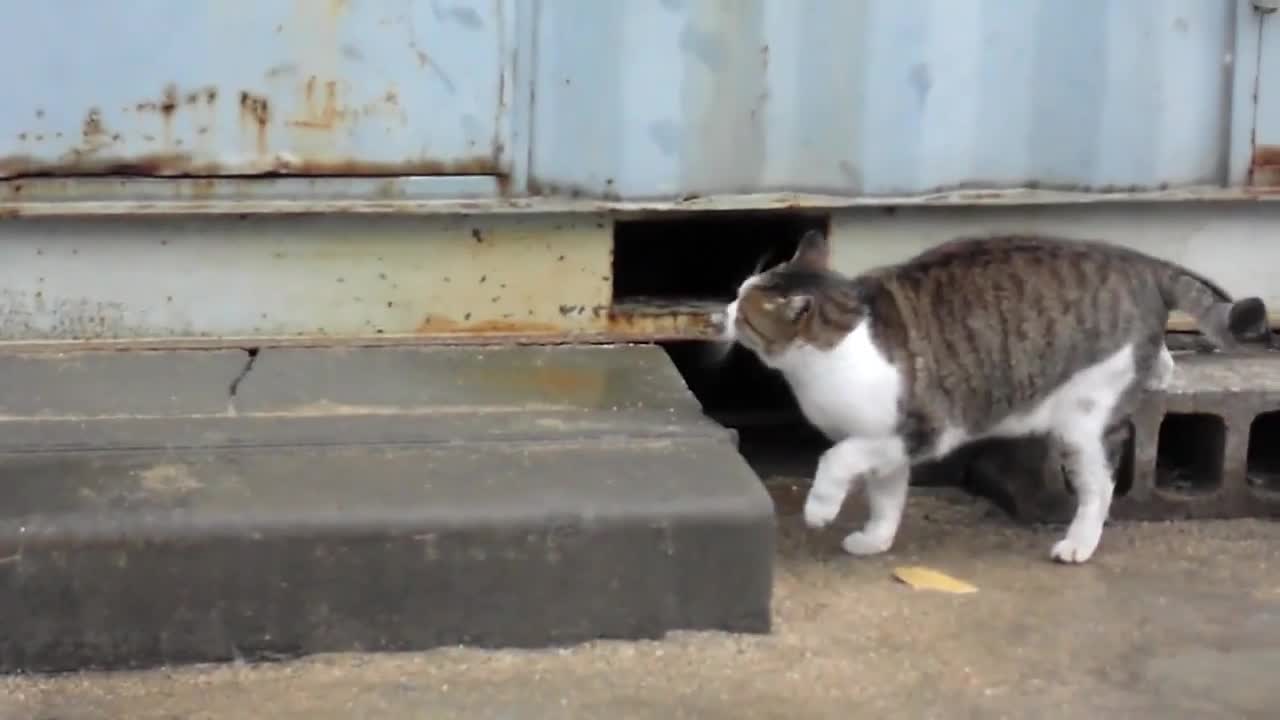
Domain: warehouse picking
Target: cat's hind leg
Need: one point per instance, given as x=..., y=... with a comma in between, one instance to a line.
x=1084, y=407
x=1090, y=477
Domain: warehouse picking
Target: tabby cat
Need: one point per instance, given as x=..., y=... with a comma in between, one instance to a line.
x=1002, y=336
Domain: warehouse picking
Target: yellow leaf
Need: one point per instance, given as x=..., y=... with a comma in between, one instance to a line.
x=923, y=578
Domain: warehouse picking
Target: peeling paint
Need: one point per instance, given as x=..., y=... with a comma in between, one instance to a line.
x=335, y=92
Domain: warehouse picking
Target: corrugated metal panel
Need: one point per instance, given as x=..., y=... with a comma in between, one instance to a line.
x=641, y=99
x=1264, y=147
x=217, y=87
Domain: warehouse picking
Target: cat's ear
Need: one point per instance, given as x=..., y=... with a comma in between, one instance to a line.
x=797, y=306
x=813, y=251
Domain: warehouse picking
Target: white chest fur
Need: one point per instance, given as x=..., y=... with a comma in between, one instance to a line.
x=849, y=390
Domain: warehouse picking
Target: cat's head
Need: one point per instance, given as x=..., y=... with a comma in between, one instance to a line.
x=774, y=309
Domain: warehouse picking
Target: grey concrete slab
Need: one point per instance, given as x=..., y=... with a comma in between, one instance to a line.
x=395, y=498
x=1170, y=620
x=347, y=396
x=86, y=385
x=477, y=378
x=424, y=427
x=100, y=497
x=127, y=559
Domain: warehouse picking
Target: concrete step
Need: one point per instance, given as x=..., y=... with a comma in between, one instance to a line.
x=172, y=507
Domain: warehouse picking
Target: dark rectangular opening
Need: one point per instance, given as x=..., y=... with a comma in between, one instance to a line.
x=739, y=392
x=702, y=258
x=1190, y=453
x=1263, y=463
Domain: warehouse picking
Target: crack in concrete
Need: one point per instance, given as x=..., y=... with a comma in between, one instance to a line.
x=244, y=371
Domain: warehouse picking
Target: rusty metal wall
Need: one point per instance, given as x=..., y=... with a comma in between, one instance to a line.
x=1258, y=161
x=881, y=97
x=255, y=280
x=316, y=277
x=642, y=100
x=370, y=170
x=246, y=87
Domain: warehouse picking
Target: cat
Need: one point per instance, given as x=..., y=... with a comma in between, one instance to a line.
x=979, y=337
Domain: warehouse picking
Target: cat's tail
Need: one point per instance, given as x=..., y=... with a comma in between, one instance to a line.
x=1224, y=321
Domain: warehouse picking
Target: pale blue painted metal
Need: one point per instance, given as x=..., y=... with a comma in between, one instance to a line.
x=636, y=99
x=231, y=87
x=640, y=98
x=1263, y=79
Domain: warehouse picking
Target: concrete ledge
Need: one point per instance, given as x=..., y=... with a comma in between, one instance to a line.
x=375, y=520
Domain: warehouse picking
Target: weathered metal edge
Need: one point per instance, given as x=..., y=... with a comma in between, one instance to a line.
x=321, y=341
x=443, y=339
x=560, y=204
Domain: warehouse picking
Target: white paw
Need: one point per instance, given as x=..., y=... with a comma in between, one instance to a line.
x=1072, y=551
x=821, y=508
x=862, y=543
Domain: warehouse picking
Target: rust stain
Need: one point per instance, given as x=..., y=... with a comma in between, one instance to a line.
x=328, y=114
x=203, y=188
x=169, y=103
x=672, y=322
x=171, y=100
x=546, y=189
x=466, y=166
x=150, y=164
x=166, y=105
x=1264, y=167
x=92, y=126
x=178, y=164
x=558, y=385
x=255, y=110
x=440, y=324
x=633, y=321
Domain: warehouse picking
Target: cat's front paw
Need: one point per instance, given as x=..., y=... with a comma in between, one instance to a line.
x=821, y=508
x=865, y=543
x=1071, y=551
